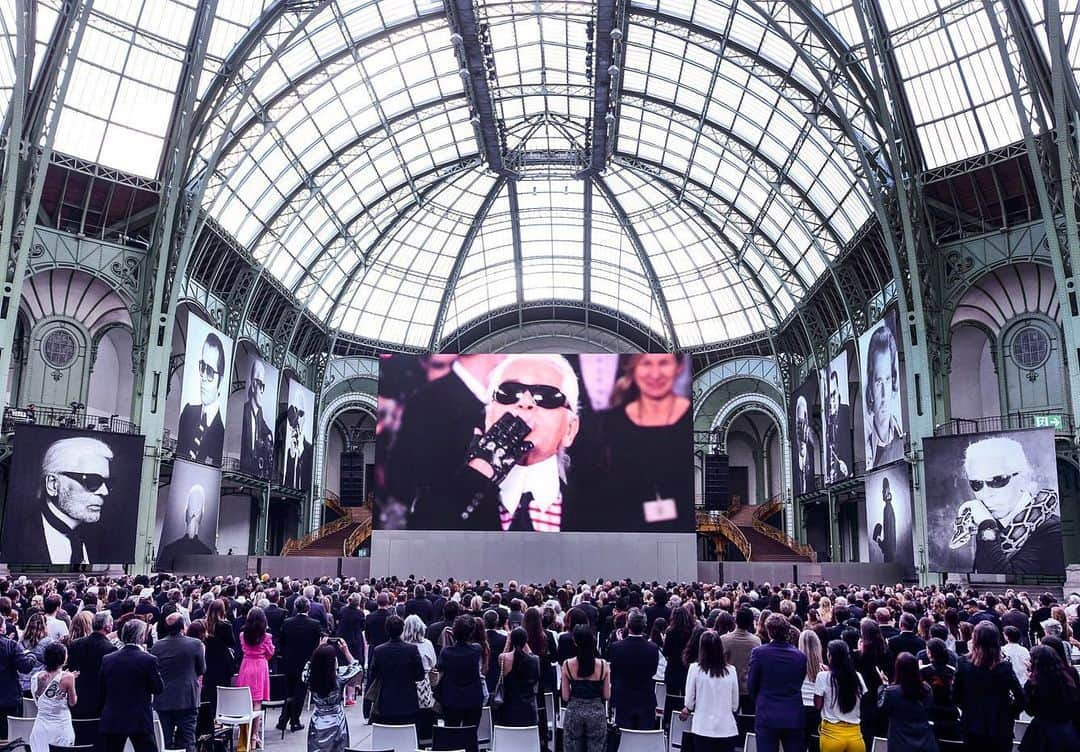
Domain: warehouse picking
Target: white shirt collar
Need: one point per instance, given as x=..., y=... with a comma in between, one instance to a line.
x=471, y=382
x=542, y=479
x=58, y=544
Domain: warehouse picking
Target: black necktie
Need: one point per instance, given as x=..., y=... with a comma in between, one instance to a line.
x=71, y=534
x=522, y=522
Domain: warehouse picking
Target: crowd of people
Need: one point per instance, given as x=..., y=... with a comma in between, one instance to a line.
x=813, y=666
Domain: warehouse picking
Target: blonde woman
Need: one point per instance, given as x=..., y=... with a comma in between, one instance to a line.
x=810, y=645
x=81, y=626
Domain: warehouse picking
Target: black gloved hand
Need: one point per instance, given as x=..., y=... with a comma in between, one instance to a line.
x=502, y=446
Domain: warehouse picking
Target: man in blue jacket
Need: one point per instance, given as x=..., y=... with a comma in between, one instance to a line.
x=129, y=679
x=633, y=666
x=774, y=681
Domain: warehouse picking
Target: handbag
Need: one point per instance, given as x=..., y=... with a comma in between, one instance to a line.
x=425, y=698
x=498, y=698
x=614, y=736
x=372, y=696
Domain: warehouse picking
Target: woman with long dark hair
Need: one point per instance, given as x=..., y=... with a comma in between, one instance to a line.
x=543, y=645
x=905, y=704
x=1053, y=700
x=712, y=695
x=575, y=617
x=327, y=729
x=680, y=630
x=586, y=686
x=939, y=674
x=875, y=663
x=254, y=672
x=837, y=694
x=460, y=687
x=987, y=693
x=220, y=644
x=520, y=677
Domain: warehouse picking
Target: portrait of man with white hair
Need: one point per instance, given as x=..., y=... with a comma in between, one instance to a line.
x=992, y=503
x=71, y=497
x=804, y=440
x=298, y=452
x=191, y=514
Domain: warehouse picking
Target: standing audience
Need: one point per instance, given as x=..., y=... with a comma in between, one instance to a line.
x=987, y=693
x=586, y=686
x=712, y=695
x=129, y=680
x=181, y=661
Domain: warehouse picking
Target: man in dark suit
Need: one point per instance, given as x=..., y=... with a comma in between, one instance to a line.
x=907, y=641
x=256, y=438
x=883, y=617
x=201, y=433
x=84, y=656
x=297, y=640
x=128, y=681
x=189, y=544
x=805, y=451
x=13, y=661
x=496, y=643
x=375, y=623
x=591, y=611
x=774, y=681
x=275, y=614
x=397, y=700
x=435, y=629
x=633, y=666
x=659, y=609
x=420, y=605
x=75, y=488
x=1014, y=617
x=181, y=660
x=350, y=626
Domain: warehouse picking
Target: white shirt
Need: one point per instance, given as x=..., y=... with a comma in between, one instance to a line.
x=830, y=710
x=713, y=700
x=58, y=543
x=542, y=480
x=427, y=654
x=1020, y=658
x=55, y=628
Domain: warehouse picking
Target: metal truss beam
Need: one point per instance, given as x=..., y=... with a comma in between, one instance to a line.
x=459, y=260
x=586, y=240
x=643, y=257
x=463, y=20
x=604, y=51
x=515, y=240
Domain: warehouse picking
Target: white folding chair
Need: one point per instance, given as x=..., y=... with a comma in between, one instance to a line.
x=641, y=741
x=1019, y=729
x=515, y=739
x=660, y=690
x=750, y=745
x=880, y=745
x=549, y=709
x=398, y=738
x=235, y=709
x=676, y=730
x=19, y=728
x=483, y=731
x=29, y=707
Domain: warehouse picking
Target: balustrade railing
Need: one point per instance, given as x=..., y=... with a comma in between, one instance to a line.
x=293, y=544
x=762, y=512
x=64, y=417
x=717, y=523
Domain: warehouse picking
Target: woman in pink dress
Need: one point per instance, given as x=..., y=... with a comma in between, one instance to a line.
x=254, y=671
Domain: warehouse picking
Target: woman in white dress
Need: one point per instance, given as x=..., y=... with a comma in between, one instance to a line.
x=54, y=690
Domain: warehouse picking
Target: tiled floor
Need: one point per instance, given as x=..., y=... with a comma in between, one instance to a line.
x=359, y=733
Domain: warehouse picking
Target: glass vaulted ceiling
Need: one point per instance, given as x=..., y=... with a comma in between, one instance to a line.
x=354, y=175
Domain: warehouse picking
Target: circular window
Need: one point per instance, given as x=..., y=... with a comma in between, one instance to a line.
x=1030, y=347
x=59, y=348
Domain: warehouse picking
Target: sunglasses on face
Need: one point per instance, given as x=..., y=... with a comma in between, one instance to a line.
x=259, y=384
x=998, y=481
x=207, y=371
x=89, y=481
x=547, y=397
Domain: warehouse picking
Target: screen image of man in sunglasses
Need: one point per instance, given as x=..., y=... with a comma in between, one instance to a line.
x=514, y=475
x=201, y=433
x=1015, y=524
x=75, y=487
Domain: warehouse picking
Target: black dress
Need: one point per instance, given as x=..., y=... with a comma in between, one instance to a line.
x=521, y=684
x=220, y=664
x=646, y=463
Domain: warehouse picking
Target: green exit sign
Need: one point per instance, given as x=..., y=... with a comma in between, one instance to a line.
x=1049, y=421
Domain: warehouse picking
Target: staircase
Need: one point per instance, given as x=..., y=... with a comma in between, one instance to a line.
x=340, y=537
x=767, y=543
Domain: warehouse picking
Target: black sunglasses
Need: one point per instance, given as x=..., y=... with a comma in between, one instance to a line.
x=89, y=481
x=998, y=481
x=259, y=384
x=207, y=371
x=547, y=397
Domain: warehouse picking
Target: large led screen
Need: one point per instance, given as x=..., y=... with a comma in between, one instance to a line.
x=73, y=497
x=837, y=452
x=889, y=516
x=544, y=443
x=883, y=416
x=204, y=396
x=805, y=445
x=992, y=503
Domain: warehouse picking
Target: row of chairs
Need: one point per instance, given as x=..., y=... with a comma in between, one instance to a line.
x=20, y=728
